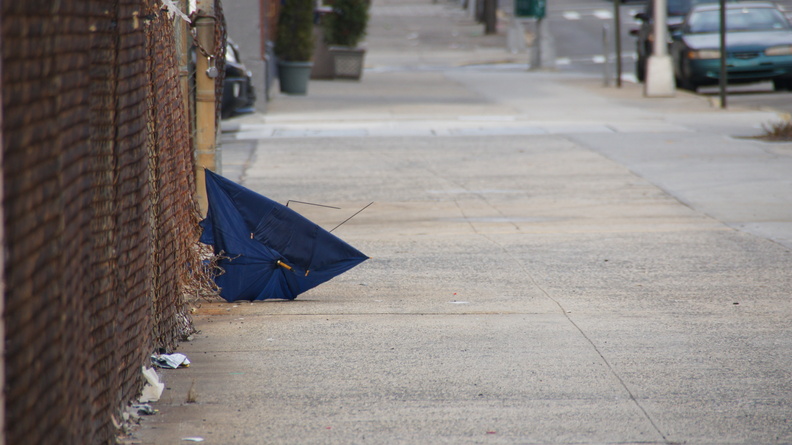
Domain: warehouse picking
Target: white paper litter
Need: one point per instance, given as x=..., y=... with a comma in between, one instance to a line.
x=172, y=361
x=153, y=389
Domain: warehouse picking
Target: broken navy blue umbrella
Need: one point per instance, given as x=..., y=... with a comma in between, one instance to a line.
x=268, y=250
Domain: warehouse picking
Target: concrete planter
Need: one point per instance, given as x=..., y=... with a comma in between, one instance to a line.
x=347, y=62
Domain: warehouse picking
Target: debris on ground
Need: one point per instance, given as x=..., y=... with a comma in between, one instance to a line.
x=153, y=389
x=170, y=361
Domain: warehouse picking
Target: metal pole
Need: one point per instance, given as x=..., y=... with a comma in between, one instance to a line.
x=2, y=275
x=536, y=49
x=205, y=108
x=606, y=50
x=723, y=79
x=182, y=32
x=617, y=37
x=490, y=17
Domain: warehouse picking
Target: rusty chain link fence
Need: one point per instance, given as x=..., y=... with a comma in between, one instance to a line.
x=100, y=218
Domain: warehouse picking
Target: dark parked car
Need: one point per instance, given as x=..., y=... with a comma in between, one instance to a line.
x=676, y=12
x=238, y=94
x=758, y=46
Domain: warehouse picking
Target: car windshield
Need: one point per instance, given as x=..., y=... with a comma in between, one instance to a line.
x=681, y=7
x=737, y=19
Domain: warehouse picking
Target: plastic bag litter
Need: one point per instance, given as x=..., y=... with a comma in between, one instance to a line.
x=170, y=361
x=153, y=389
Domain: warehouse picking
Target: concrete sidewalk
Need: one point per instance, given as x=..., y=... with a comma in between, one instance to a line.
x=552, y=262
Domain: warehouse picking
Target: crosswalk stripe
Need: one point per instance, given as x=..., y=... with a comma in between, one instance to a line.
x=603, y=14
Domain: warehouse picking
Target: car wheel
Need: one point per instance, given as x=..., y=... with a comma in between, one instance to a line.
x=686, y=84
x=684, y=81
x=782, y=84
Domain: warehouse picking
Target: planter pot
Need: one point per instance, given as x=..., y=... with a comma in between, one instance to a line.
x=347, y=62
x=293, y=76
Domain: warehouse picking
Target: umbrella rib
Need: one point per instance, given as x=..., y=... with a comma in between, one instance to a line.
x=356, y=213
x=311, y=204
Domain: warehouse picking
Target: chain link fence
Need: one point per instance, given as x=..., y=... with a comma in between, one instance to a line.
x=100, y=218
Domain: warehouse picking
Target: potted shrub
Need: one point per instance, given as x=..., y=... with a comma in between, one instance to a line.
x=343, y=31
x=294, y=45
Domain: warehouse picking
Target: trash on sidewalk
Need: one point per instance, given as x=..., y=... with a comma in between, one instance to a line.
x=266, y=249
x=193, y=439
x=143, y=409
x=153, y=389
x=170, y=361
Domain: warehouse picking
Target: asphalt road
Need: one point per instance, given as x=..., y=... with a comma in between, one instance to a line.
x=583, y=32
x=578, y=27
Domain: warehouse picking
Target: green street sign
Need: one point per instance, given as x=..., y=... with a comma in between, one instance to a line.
x=530, y=8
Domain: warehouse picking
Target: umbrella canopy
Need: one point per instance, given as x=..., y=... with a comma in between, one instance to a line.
x=268, y=250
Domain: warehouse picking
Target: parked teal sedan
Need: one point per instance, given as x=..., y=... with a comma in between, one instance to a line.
x=758, y=46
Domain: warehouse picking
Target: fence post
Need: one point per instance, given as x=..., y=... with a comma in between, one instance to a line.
x=182, y=31
x=205, y=107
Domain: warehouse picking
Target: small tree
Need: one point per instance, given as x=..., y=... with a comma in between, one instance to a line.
x=294, y=40
x=346, y=26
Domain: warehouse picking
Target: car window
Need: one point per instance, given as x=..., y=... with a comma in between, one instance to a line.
x=742, y=19
x=677, y=7
x=760, y=19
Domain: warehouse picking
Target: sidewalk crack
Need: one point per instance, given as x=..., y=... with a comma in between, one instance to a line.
x=613, y=372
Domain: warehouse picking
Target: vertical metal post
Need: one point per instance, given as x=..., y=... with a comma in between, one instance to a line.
x=490, y=16
x=205, y=108
x=723, y=78
x=265, y=11
x=536, y=48
x=182, y=32
x=605, y=50
x=2, y=271
x=617, y=38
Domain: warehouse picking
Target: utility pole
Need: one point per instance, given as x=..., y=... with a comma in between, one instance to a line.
x=205, y=107
x=490, y=16
x=617, y=37
x=659, y=68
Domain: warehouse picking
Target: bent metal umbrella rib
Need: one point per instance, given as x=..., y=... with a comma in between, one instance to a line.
x=269, y=251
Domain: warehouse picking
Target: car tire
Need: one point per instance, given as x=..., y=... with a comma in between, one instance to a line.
x=684, y=82
x=782, y=84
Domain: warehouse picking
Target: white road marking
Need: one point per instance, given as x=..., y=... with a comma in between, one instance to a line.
x=603, y=14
